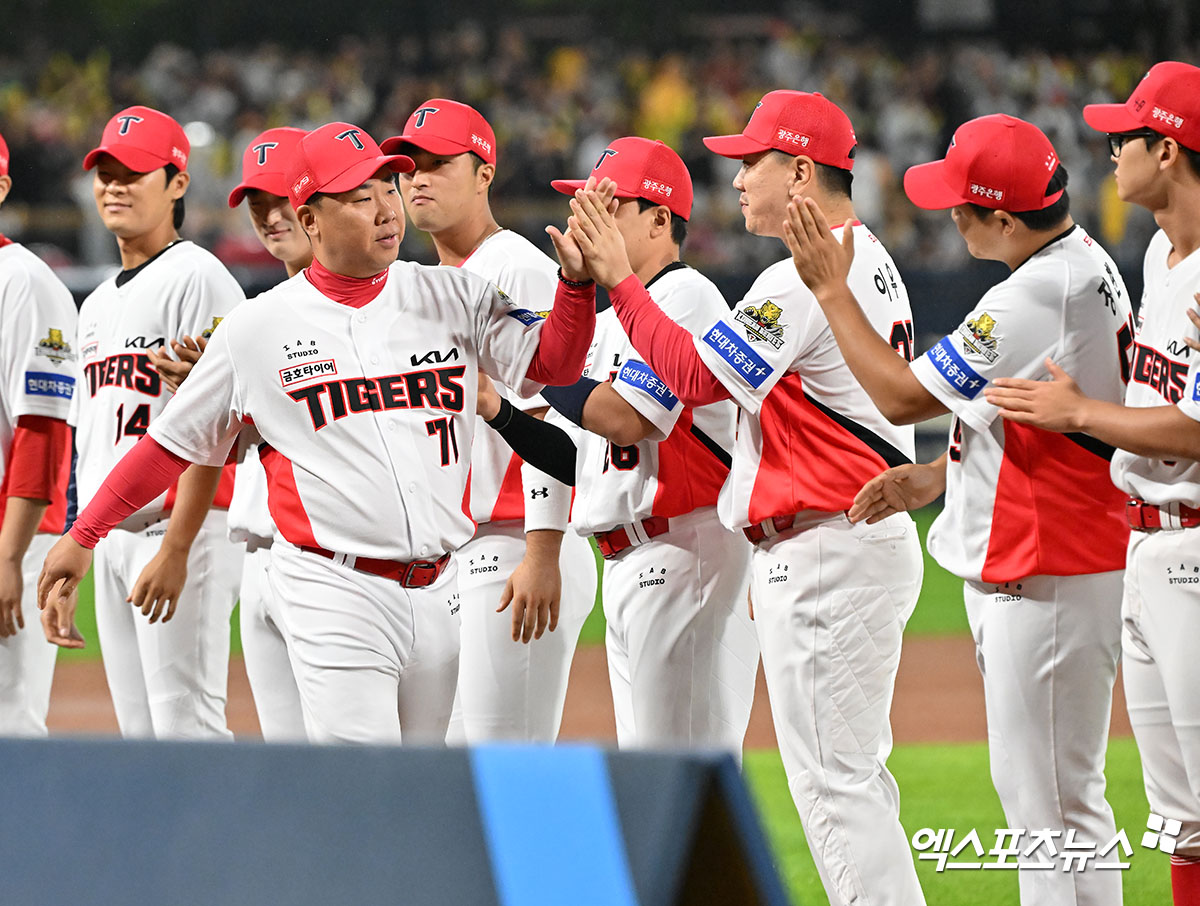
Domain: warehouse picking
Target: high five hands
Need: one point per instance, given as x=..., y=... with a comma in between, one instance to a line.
x=592, y=246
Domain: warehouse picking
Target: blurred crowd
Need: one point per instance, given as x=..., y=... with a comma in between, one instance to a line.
x=554, y=106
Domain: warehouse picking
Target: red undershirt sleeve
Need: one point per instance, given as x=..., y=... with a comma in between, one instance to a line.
x=667, y=347
x=142, y=474
x=40, y=462
x=566, y=336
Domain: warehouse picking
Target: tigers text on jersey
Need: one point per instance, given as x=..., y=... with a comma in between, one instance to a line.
x=1164, y=371
x=37, y=350
x=1016, y=496
x=809, y=436
x=523, y=271
x=683, y=466
x=182, y=291
x=368, y=413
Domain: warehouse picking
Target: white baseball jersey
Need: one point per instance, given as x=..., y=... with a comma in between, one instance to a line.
x=37, y=350
x=684, y=464
x=1015, y=495
x=1164, y=371
x=368, y=413
x=525, y=273
x=182, y=291
x=809, y=436
x=249, y=515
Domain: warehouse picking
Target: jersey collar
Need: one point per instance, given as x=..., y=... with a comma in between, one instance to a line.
x=352, y=291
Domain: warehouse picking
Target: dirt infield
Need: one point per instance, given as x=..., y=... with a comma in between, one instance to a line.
x=939, y=698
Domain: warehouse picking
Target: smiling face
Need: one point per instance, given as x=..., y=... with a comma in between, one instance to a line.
x=357, y=233
x=765, y=182
x=444, y=189
x=277, y=227
x=133, y=204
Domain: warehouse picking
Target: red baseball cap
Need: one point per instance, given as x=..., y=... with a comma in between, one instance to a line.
x=143, y=139
x=641, y=168
x=1167, y=100
x=995, y=161
x=795, y=122
x=265, y=162
x=337, y=157
x=442, y=126
x=3, y=157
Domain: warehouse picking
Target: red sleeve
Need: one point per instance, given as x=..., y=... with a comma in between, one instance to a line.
x=566, y=336
x=667, y=347
x=142, y=474
x=39, y=467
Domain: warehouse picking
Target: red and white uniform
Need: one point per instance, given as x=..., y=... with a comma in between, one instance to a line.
x=368, y=414
x=1161, y=607
x=166, y=679
x=37, y=378
x=1042, y=596
x=682, y=654
x=830, y=598
x=507, y=690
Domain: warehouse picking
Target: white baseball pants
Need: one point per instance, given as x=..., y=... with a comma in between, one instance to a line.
x=168, y=680
x=370, y=657
x=830, y=604
x=682, y=654
x=1047, y=647
x=27, y=659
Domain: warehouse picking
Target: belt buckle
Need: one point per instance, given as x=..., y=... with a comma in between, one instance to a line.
x=420, y=573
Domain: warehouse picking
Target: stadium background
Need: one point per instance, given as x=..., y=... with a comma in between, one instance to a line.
x=558, y=80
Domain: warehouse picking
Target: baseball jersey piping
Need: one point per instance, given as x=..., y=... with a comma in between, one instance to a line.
x=886, y=451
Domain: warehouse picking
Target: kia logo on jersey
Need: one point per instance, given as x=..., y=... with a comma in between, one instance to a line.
x=433, y=357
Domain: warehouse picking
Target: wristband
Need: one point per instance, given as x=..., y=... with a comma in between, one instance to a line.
x=578, y=284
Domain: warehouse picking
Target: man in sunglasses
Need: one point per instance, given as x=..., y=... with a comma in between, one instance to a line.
x=1155, y=143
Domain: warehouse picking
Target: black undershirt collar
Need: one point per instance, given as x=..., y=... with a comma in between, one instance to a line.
x=125, y=276
x=603, y=303
x=1063, y=235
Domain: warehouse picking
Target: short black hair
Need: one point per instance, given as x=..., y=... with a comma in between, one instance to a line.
x=172, y=172
x=1192, y=157
x=678, y=224
x=1046, y=218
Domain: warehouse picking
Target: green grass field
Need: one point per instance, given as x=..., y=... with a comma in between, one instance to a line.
x=941, y=786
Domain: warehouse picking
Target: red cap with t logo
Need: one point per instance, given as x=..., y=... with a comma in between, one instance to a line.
x=1166, y=100
x=337, y=157
x=641, y=168
x=441, y=126
x=3, y=157
x=995, y=161
x=143, y=139
x=265, y=163
x=795, y=122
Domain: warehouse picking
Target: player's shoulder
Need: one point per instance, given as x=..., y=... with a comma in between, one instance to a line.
x=1154, y=264
x=21, y=269
x=516, y=250
x=779, y=281
x=681, y=284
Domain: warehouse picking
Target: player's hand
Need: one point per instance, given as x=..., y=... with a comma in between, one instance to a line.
x=535, y=587
x=822, y=262
x=898, y=490
x=11, y=587
x=1194, y=317
x=1055, y=405
x=63, y=570
x=487, y=405
x=593, y=223
x=172, y=371
x=156, y=591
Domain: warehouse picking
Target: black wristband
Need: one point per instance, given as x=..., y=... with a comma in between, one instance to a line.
x=578, y=284
x=503, y=417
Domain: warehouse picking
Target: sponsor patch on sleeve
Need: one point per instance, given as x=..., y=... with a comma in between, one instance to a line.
x=525, y=316
x=954, y=369
x=638, y=374
x=749, y=365
x=1196, y=388
x=44, y=383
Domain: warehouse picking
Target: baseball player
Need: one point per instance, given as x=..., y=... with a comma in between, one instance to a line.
x=276, y=698
x=1155, y=142
x=359, y=375
x=167, y=679
x=1041, y=596
x=37, y=382
x=682, y=655
x=519, y=554
x=830, y=597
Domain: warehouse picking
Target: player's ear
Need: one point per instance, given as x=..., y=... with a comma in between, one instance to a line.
x=803, y=172
x=5, y=187
x=179, y=184
x=485, y=175
x=1008, y=223
x=307, y=216
x=661, y=222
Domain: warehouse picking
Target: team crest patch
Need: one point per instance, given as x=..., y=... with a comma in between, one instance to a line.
x=55, y=347
x=208, y=333
x=762, y=323
x=979, y=337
